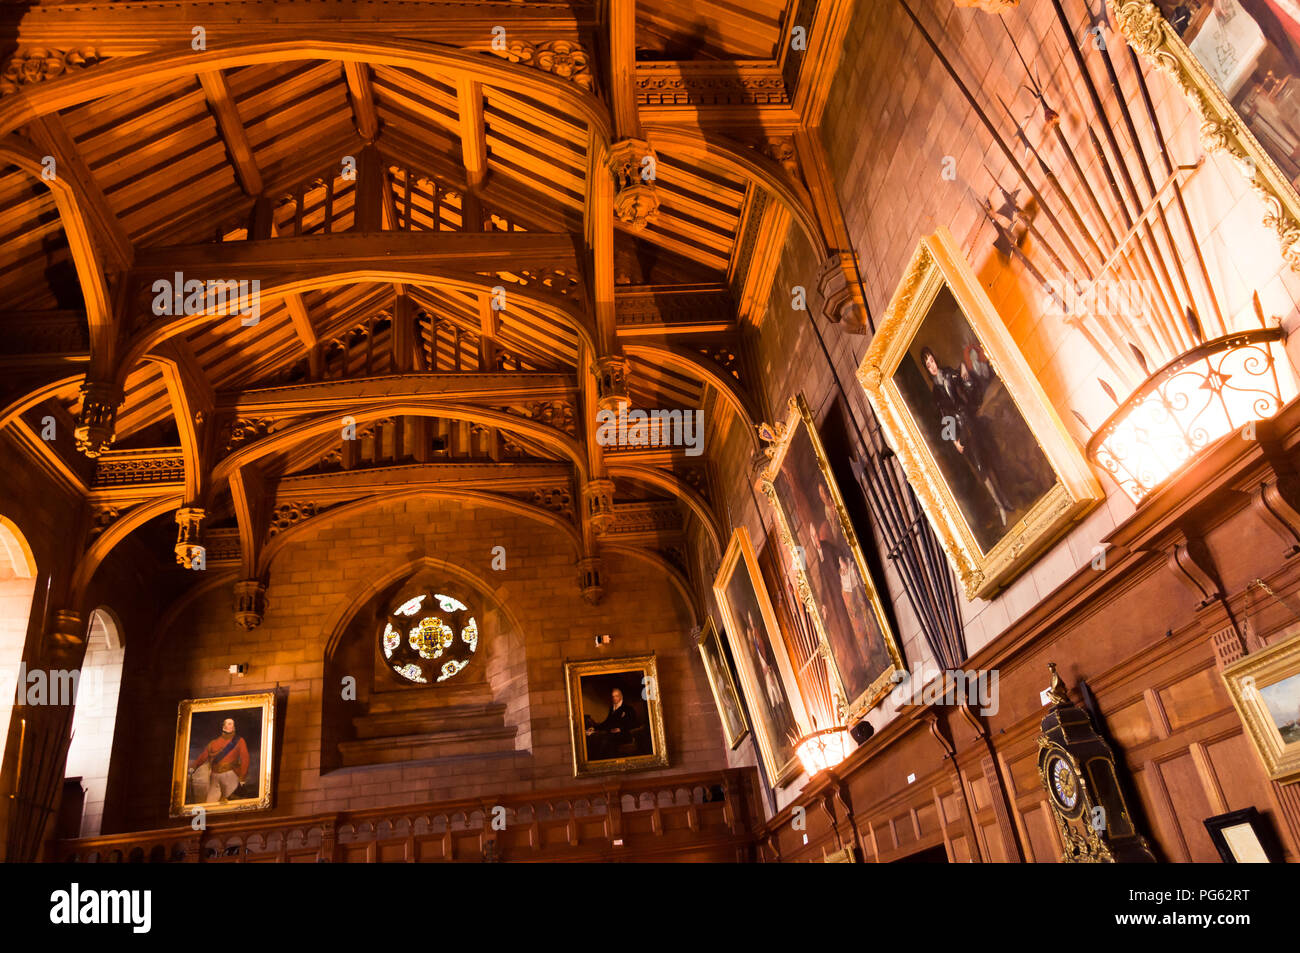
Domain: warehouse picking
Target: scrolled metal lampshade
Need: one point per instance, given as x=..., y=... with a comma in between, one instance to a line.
x=1209, y=391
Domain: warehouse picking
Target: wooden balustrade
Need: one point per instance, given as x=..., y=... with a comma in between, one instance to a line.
x=706, y=817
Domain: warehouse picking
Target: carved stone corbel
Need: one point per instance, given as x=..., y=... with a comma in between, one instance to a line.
x=611, y=382
x=250, y=603
x=598, y=503
x=636, y=201
x=835, y=285
x=98, y=418
x=589, y=580
x=66, y=639
x=189, y=551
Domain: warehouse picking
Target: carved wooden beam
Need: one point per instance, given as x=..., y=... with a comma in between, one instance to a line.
x=231, y=128
x=123, y=28
x=363, y=100
x=428, y=252
x=345, y=396
x=473, y=149
x=193, y=402
x=50, y=135
x=249, y=493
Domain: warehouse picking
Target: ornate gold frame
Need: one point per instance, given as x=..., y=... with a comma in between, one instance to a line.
x=1243, y=679
x=658, y=757
x=1222, y=129
x=936, y=263
x=741, y=550
x=800, y=412
x=711, y=632
x=181, y=753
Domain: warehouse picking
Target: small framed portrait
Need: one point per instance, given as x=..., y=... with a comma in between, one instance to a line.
x=991, y=463
x=615, y=717
x=827, y=562
x=1265, y=689
x=723, y=686
x=224, y=754
x=762, y=661
x=1244, y=837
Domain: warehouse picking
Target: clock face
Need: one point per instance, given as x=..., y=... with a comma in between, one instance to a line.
x=1064, y=783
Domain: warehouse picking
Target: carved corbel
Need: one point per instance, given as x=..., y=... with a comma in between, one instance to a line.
x=598, y=504
x=189, y=550
x=1272, y=502
x=1192, y=563
x=250, y=603
x=835, y=284
x=632, y=163
x=97, y=421
x=589, y=580
x=610, y=372
x=66, y=639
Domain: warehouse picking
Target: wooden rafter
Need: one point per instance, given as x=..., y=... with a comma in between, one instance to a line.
x=363, y=100
x=232, y=130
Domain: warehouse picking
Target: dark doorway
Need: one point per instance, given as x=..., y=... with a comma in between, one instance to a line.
x=931, y=855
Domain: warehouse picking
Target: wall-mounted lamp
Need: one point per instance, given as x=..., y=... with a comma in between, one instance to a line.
x=1213, y=389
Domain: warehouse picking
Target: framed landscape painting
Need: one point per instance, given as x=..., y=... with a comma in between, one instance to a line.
x=761, y=659
x=986, y=453
x=723, y=686
x=224, y=754
x=1265, y=689
x=616, y=719
x=826, y=558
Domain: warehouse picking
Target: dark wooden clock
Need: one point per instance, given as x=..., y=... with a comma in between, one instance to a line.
x=1077, y=768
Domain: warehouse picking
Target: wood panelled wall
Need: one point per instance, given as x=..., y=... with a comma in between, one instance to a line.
x=1150, y=650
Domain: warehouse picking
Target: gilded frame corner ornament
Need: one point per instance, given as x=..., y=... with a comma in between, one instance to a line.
x=1244, y=680
x=648, y=665
x=263, y=701
x=783, y=435
x=1222, y=129
x=937, y=263
x=740, y=557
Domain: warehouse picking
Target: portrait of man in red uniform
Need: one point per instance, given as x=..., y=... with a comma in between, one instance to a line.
x=222, y=767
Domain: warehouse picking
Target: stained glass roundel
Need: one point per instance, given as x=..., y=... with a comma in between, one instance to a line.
x=428, y=638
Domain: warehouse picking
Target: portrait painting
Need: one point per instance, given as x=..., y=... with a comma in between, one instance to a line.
x=1250, y=50
x=717, y=668
x=1265, y=690
x=224, y=754
x=823, y=551
x=986, y=453
x=615, y=718
x=1237, y=63
x=762, y=660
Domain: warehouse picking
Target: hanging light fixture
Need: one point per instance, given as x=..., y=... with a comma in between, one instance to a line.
x=1216, y=388
x=823, y=749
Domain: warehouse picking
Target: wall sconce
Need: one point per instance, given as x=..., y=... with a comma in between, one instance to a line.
x=823, y=749
x=1213, y=389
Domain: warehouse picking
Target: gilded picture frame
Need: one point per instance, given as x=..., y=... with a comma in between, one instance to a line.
x=836, y=646
x=200, y=737
x=630, y=734
x=1265, y=689
x=1223, y=129
x=938, y=279
x=725, y=695
x=766, y=675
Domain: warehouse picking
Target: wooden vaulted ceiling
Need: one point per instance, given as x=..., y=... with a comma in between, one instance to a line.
x=178, y=159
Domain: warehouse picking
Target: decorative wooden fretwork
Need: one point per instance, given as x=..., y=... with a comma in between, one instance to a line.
x=30, y=66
